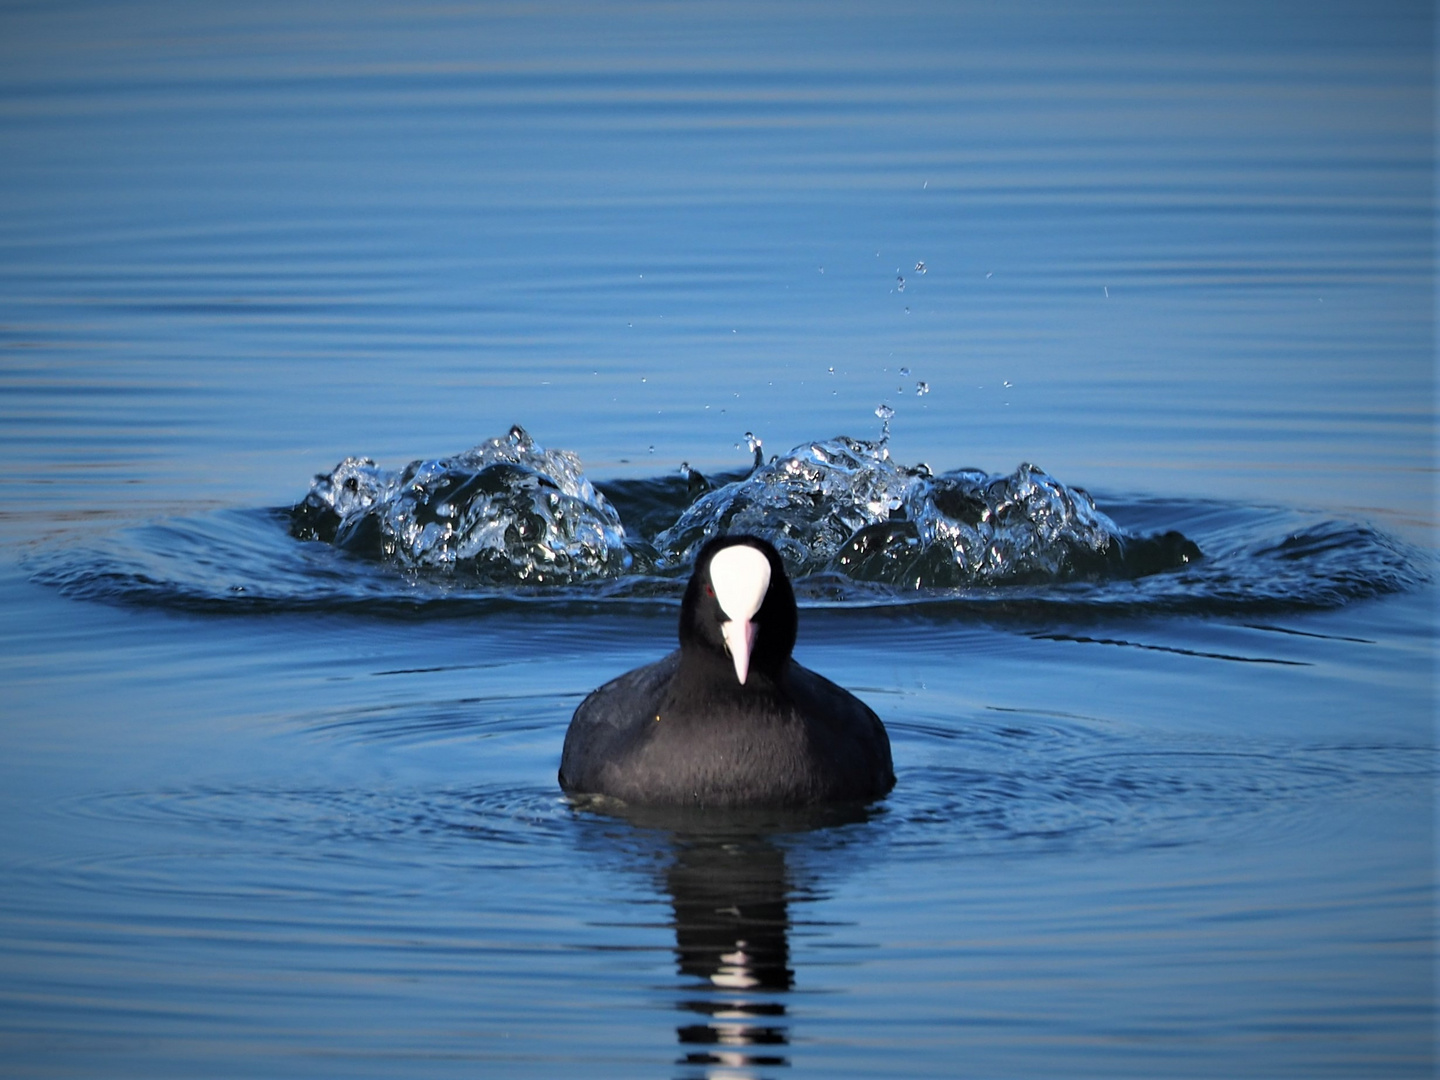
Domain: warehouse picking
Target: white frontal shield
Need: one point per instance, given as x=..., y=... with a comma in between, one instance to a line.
x=740, y=576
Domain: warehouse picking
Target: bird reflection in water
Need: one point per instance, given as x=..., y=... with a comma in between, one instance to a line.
x=731, y=879
x=732, y=935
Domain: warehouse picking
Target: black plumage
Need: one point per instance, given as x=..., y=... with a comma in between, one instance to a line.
x=685, y=731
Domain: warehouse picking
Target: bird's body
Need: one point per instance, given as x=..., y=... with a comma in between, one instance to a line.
x=728, y=719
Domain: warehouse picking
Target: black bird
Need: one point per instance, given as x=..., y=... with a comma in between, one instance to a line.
x=728, y=719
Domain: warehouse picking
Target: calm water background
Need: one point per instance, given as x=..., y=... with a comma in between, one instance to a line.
x=1183, y=259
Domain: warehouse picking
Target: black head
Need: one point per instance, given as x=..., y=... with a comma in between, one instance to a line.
x=704, y=619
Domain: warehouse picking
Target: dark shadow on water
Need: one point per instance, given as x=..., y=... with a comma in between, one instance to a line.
x=730, y=889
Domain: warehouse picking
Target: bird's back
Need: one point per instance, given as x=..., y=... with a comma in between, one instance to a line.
x=668, y=734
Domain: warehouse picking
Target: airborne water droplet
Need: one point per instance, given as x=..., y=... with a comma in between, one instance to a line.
x=922, y=388
x=885, y=413
x=899, y=283
x=904, y=371
x=920, y=267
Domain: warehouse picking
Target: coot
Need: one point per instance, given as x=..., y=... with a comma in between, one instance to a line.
x=728, y=719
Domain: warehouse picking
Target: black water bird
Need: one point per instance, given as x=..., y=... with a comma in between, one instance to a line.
x=728, y=719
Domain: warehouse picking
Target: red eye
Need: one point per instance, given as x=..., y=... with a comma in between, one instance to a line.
x=709, y=590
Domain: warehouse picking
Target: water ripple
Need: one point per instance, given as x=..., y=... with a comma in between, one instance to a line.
x=1127, y=795
x=510, y=817
x=1025, y=787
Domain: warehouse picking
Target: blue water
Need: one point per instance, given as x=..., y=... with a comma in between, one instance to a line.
x=277, y=808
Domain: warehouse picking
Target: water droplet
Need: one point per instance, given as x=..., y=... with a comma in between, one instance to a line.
x=752, y=441
x=899, y=283
x=885, y=413
x=922, y=388
x=1009, y=383
x=652, y=448
x=904, y=371
x=832, y=371
x=920, y=267
x=907, y=309
x=642, y=378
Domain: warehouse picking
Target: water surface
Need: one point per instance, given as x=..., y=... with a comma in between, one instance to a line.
x=278, y=808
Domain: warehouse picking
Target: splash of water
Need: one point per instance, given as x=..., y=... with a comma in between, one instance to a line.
x=470, y=532
x=509, y=511
x=885, y=414
x=505, y=511
x=855, y=527
x=843, y=506
x=807, y=503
